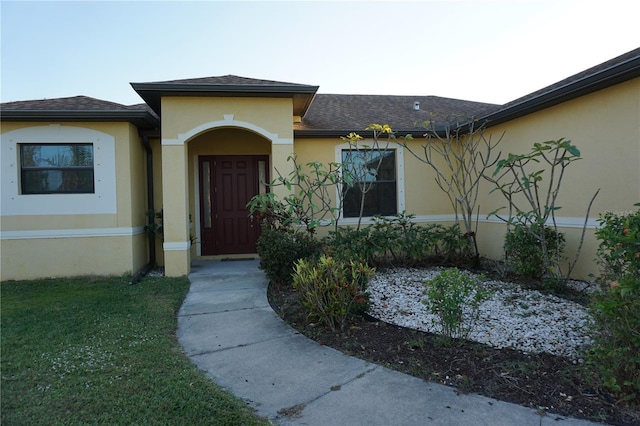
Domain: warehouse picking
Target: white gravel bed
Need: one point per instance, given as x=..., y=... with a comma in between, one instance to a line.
x=525, y=320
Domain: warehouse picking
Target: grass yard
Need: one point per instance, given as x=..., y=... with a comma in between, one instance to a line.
x=100, y=351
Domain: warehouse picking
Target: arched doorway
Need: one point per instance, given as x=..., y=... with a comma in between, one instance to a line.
x=230, y=166
x=227, y=183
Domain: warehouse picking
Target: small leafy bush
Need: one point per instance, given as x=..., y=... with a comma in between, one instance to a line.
x=351, y=243
x=402, y=242
x=391, y=235
x=332, y=290
x=279, y=249
x=616, y=312
x=619, y=236
x=454, y=297
x=452, y=244
x=309, y=201
x=397, y=241
x=526, y=254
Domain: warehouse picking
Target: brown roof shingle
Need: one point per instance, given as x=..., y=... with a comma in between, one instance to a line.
x=230, y=80
x=78, y=108
x=356, y=112
x=74, y=103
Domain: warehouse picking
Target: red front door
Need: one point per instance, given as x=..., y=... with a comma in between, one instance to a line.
x=227, y=183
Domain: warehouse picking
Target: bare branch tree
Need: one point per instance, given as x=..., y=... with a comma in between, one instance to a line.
x=460, y=154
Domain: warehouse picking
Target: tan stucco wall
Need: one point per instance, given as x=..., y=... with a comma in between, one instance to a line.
x=188, y=120
x=605, y=127
x=229, y=141
x=181, y=115
x=110, y=243
x=422, y=196
x=62, y=257
x=136, y=188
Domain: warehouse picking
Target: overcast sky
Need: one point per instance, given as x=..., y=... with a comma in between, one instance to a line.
x=488, y=51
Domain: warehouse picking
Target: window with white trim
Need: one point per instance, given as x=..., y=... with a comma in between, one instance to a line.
x=371, y=174
x=56, y=168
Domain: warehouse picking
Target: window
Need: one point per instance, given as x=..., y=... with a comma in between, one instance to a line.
x=56, y=168
x=375, y=172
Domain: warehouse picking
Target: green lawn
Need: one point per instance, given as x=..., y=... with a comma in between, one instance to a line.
x=97, y=350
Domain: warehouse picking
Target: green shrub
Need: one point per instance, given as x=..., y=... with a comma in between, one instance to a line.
x=616, y=312
x=397, y=241
x=616, y=349
x=452, y=245
x=279, y=249
x=525, y=252
x=619, y=236
x=402, y=242
x=389, y=235
x=454, y=297
x=351, y=243
x=417, y=245
x=331, y=289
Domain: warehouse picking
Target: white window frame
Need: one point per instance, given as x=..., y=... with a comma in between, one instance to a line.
x=400, y=184
x=102, y=201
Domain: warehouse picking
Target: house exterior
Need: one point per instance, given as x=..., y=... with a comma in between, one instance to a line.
x=78, y=175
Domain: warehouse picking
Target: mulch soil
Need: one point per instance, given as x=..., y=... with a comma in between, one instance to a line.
x=548, y=383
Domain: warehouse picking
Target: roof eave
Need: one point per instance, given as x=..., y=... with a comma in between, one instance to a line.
x=616, y=74
x=326, y=133
x=141, y=119
x=153, y=92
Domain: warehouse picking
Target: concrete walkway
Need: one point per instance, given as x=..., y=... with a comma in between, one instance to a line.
x=228, y=329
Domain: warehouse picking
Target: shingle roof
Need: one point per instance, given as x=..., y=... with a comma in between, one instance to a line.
x=355, y=112
x=606, y=74
x=230, y=80
x=78, y=108
x=142, y=107
x=577, y=77
x=340, y=114
x=74, y=103
x=227, y=85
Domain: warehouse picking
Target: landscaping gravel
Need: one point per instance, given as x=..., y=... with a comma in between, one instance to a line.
x=512, y=317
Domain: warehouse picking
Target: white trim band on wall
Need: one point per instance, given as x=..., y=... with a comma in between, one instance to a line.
x=416, y=219
x=171, y=142
x=177, y=246
x=71, y=233
x=562, y=222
